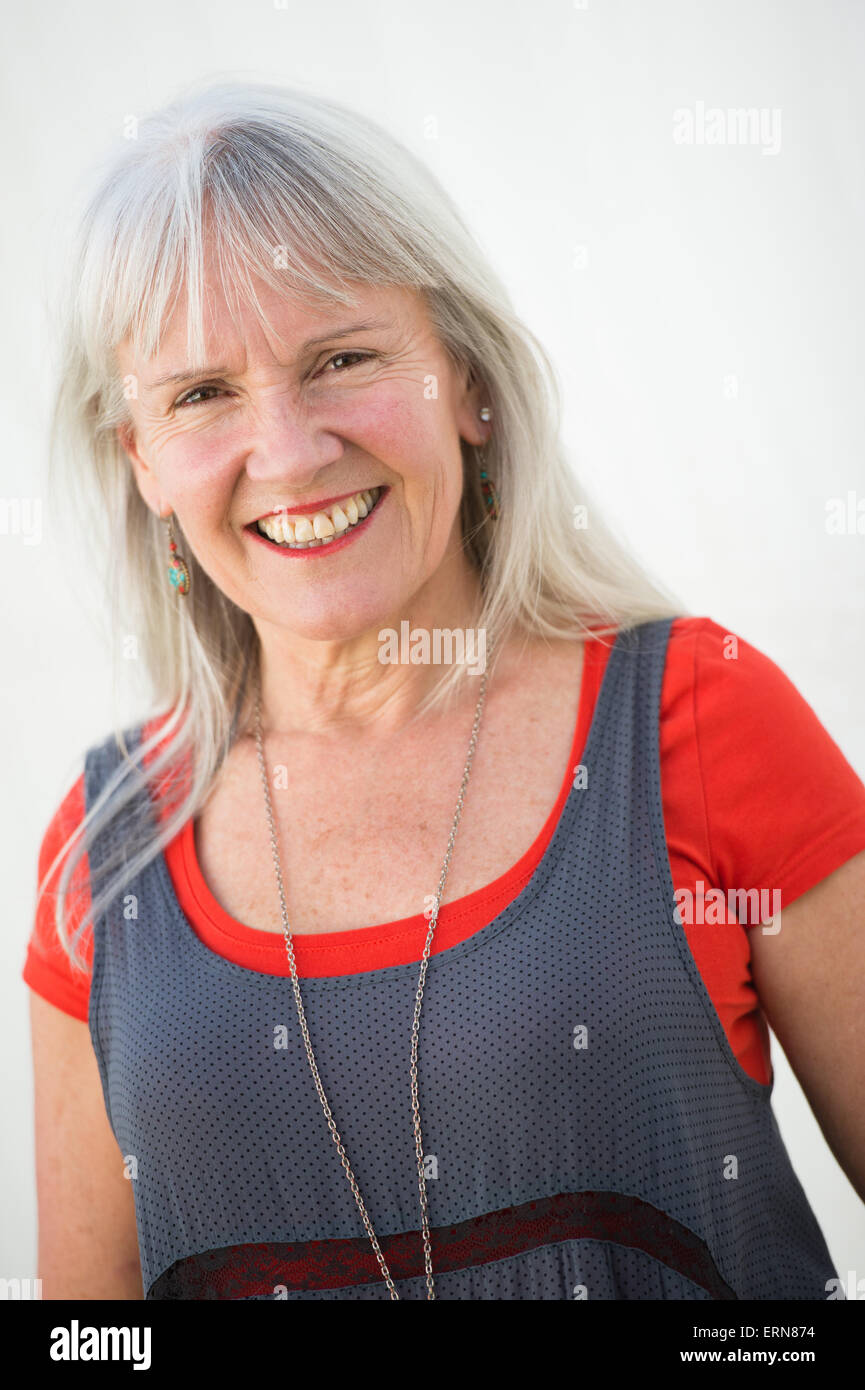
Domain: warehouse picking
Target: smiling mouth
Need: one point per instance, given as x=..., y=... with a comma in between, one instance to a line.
x=331, y=523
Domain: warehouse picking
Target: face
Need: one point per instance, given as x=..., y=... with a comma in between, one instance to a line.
x=342, y=440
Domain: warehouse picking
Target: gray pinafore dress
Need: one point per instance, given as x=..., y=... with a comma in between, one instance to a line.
x=588, y=1131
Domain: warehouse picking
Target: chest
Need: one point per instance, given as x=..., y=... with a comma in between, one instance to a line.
x=363, y=824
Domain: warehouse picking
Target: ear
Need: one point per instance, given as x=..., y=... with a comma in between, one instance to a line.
x=145, y=477
x=473, y=397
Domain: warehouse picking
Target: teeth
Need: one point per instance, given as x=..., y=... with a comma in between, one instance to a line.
x=322, y=527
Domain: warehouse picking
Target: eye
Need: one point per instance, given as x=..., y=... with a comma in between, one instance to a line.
x=188, y=398
x=196, y=395
x=341, y=356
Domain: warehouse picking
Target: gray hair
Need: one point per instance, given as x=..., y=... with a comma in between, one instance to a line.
x=306, y=194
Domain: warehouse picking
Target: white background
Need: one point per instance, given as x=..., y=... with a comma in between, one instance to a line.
x=654, y=272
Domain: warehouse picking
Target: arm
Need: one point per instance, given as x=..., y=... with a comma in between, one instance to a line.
x=88, y=1244
x=811, y=981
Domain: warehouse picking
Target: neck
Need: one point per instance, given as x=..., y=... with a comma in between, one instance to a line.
x=320, y=686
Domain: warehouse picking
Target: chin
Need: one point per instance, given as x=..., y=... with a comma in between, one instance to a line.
x=339, y=617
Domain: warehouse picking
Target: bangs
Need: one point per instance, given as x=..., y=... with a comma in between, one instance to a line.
x=294, y=224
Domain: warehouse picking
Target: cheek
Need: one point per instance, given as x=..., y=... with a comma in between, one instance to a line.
x=420, y=443
x=199, y=475
x=426, y=454
x=411, y=433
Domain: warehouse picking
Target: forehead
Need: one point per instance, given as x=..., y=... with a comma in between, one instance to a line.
x=233, y=326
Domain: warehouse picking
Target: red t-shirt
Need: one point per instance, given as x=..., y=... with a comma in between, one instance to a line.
x=755, y=793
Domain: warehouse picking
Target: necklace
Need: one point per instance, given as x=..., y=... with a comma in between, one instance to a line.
x=418, y=999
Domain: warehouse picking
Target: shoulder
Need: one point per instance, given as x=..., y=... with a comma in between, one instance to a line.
x=63, y=822
x=92, y=769
x=129, y=751
x=775, y=792
x=703, y=642
x=48, y=968
x=730, y=684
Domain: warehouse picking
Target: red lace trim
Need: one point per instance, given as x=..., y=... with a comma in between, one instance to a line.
x=242, y=1271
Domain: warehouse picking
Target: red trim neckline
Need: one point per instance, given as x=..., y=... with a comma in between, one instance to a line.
x=389, y=943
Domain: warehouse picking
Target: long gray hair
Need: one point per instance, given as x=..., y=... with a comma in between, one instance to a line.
x=305, y=194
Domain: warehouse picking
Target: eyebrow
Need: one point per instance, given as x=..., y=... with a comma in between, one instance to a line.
x=175, y=378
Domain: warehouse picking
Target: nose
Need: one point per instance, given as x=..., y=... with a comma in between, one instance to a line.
x=287, y=446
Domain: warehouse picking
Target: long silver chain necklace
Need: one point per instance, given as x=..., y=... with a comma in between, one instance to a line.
x=417, y=1006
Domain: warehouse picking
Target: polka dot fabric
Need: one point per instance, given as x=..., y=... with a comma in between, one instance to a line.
x=588, y=1131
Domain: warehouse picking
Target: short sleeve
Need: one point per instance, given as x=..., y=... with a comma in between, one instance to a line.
x=47, y=967
x=783, y=806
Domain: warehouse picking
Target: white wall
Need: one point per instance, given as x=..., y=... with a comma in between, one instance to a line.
x=654, y=271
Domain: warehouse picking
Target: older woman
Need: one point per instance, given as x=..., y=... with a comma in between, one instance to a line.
x=376, y=961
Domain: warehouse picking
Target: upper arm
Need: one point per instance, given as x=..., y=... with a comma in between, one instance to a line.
x=784, y=811
x=88, y=1244
x=810, y=977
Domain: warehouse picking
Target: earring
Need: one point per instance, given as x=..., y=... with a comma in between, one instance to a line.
x=491, y=497
x=178, y=570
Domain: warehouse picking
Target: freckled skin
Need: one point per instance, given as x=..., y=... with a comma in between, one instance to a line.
x=285, y=428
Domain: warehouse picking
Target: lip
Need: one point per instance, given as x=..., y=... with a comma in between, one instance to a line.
x=312, y=507
x=345, y=539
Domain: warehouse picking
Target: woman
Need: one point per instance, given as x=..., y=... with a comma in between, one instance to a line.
x=401, y=675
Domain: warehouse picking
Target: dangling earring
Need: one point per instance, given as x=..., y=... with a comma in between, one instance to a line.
x=491, y=497
x=178, y=570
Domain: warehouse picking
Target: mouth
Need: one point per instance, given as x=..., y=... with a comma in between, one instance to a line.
x=321, y=529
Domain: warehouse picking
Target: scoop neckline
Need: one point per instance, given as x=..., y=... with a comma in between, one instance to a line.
x=313, y=948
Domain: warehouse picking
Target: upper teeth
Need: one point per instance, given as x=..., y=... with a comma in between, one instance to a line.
x=320, y=528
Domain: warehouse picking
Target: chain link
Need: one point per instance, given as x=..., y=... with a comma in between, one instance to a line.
x=289, y=946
